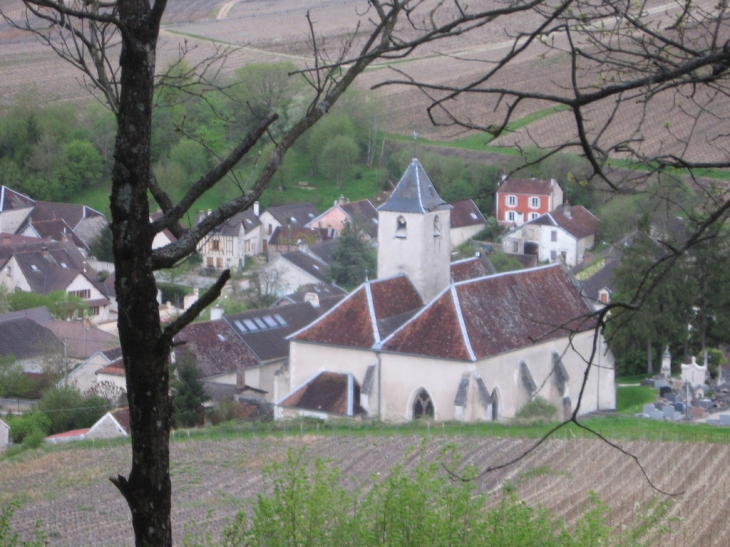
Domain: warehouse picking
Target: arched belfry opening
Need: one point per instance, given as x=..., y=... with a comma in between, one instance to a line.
x=436, y=226
x=401, y=227
x=422, y=405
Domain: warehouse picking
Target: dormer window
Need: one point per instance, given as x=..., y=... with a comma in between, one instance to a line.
x=400, y=228
x=436, y=227
x=511, y=201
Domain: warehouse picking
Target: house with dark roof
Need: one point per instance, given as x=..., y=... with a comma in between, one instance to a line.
x=43, y=266
x=84, y=376
x=29, y=342
x=229, y=243
x=219, y=355
x=361, y=213
x=521, y=200
x=296, y=215
x=292, y=270
x=264, y=333
x=415, y=344
x=466, y=221
x=565, y=234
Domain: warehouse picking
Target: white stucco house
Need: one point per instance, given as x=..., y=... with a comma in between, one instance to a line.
x=564, y=234
x=415, y=344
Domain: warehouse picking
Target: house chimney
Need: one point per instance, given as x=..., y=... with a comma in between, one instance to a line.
x=566, y=210
x=256, y=207
x=341, y=200
x=210, y=211
x=216, y=313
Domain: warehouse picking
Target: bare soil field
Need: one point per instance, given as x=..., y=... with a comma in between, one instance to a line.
x=69, y=492
x=269, y=31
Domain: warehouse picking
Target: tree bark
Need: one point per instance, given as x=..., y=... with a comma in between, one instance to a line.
x=148, y=488
x=649, y=354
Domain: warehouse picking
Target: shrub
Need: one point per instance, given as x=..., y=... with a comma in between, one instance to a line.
x=8, y=538
x=23, y=425
x=537, y=409
x=68, y=409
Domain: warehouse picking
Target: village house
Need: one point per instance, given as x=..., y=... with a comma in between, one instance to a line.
x=413, y=344
x=361, y=213
x=297, y=215
x=43, y=266
x=29, y=342
x=565, y=234
x=521, y=200
x=466, y=221
x=228, y=245
x=84, y=376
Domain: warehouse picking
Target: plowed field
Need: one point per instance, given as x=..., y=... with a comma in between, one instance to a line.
x=69, y=491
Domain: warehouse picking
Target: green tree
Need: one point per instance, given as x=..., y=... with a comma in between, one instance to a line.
x=102, y=246
x=59, y=303
x=83, y=169
x=338, y=158
x=354, y=259
x=188, y=393
x=333, y=126
x=503, y=262
x=68, y=409
x=13, y=381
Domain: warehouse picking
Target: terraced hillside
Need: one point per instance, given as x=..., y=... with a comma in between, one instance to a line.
x=68, y=490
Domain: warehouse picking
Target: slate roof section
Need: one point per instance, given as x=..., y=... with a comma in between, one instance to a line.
x=82, y=341
x=57, y=230
x=121, y=415
x=284, y=235
x=574, y=219
x=330, y=392
x=296, y=215
x=531, y=187
x=265, y=331
x=27, y=339
x=471, y=268
x=466, y=213
x=40, y=315
x=316, y=268
x=366, y=316
x=325, y=250
x=10, y=200
x=364, y=214
x=72, y=213
x=414, y=193
x=215, y=347
x=492, y=315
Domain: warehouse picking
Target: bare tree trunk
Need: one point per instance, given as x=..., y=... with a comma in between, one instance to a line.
x=148, y=488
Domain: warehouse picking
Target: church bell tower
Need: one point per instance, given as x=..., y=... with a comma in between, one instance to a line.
x=414, y=233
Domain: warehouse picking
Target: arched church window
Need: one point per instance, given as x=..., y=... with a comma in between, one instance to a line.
x=422, y=405
x=400, y=227
x=436, y=226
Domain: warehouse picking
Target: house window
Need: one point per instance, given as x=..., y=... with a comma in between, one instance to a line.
x=553, y=255
x=94, y=310
x=534, y=202
x=553, y=235
x=510, y=216
x=209, y=261
x=436, y=227
x=219, y=263
x=533, y=216
x=270, y=229
x=400, y=228
x=603, y=296
x=511, y=201
x=215, y=245
x=515, y=246
x=83, y=294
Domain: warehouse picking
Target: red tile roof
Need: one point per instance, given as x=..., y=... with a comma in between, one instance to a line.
x=355, y=321
x=115, y=368
x=493, y=315
x=533, y=187
x=72, y=433
x=469, y=268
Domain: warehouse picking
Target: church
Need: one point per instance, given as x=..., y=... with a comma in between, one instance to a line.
x=416, y=343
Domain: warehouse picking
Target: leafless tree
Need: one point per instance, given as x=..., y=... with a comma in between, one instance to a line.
x=90, y=35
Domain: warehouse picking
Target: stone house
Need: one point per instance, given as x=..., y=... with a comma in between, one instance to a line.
x=565, y=234
x=466, y=221
x=297, y=215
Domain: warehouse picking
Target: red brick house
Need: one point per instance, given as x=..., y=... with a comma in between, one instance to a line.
x=522, y=200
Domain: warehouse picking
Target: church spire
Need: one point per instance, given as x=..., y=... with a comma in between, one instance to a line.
x=415, y=193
